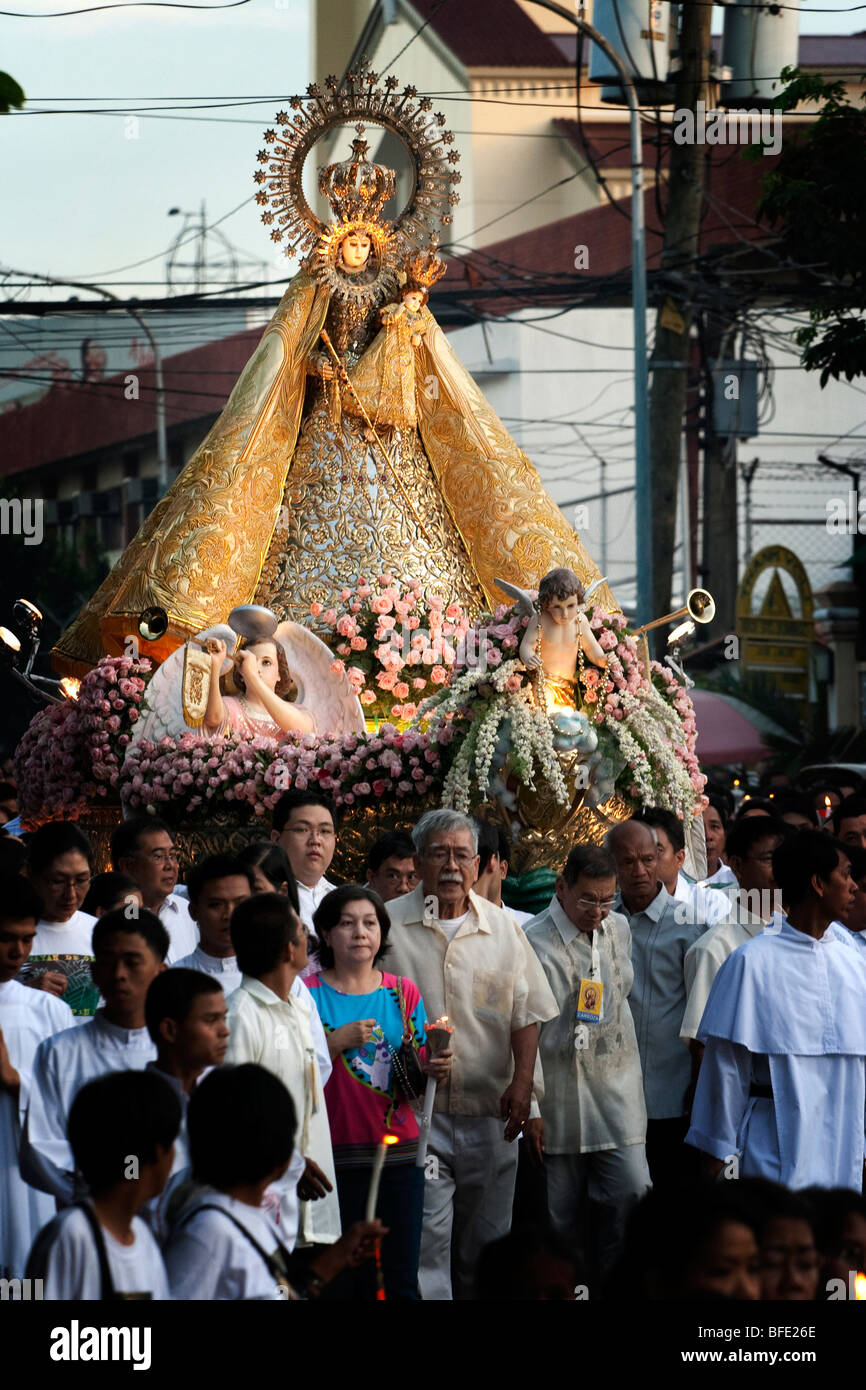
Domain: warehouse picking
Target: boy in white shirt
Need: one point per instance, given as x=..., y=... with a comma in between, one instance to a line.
x=241, y=1125
x=128, y=954
x=27, y=1016
x=121, y=1131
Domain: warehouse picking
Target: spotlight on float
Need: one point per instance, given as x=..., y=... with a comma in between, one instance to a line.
x=11, y=648
x=153, y=624
x=680, y=633
x=700, y=607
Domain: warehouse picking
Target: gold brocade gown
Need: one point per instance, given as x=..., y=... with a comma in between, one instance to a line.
x=284, y=503
x=347, y=511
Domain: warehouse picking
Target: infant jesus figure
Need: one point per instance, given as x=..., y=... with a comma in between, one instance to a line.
x=559, y=630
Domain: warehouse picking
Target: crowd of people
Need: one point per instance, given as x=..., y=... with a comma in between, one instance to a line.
x=654, y=1088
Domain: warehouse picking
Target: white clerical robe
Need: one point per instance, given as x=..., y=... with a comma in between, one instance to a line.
x=277, y=1034
x=61, y=1067
x=787, y=1015
x=27, y=1017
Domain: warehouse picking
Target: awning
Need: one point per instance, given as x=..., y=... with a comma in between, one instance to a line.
x=730, y=731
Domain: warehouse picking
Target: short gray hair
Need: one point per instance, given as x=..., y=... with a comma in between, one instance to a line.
x=442, y=822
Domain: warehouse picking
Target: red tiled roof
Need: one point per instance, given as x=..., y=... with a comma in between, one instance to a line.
x=490, y=33
x=814, y=50
x=609, y=142
x=76, y=418
x=731, y=196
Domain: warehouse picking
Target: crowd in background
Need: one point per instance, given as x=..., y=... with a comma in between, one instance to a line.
x=654, y=1088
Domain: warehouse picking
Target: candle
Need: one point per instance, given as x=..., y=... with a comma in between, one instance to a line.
x=826, y=811
x=376, y=1177
x=438, y=1039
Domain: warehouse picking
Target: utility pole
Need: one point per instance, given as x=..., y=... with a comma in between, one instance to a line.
x=672, y=338
x=720, y=568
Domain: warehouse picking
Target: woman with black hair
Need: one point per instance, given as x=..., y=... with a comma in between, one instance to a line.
x=367, y=1014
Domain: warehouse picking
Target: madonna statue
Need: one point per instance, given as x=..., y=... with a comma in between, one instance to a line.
x=327, y=463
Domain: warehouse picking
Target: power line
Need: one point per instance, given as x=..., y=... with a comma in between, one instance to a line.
x=132, y=5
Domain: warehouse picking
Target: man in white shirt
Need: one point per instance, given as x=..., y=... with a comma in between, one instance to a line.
x=304, y=823
x=493, y=853
x=271, y=1026
x=704, y=905
x=781, y=1091
x=27, y=1017
x=390, y=865
x=216, y=887
x=593, y=1109
x=59, y=860
x=144, y=848
x=472, y=963
x=128, y=954
x=750, y=846
x=854, y=920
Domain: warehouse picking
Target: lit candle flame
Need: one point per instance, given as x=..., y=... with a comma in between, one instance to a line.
x=70, y=685
x=827, y=802
x=390, y=1139
x=860, y=1288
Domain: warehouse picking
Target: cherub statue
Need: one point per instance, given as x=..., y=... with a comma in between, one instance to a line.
x=215, y=686
x=263, y=682
x=558, y=630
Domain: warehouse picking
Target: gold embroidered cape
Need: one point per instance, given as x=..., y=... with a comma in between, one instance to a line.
x=202, y=550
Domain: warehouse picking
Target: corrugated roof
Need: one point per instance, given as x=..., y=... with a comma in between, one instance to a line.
x=490, y=33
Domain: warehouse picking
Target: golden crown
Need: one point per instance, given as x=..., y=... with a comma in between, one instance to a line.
x=356, y=188
x=423, y=270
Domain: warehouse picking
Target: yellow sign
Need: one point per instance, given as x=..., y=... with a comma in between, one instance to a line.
x=775, y=642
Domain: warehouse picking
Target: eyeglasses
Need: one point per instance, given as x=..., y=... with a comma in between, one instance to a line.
x=604, y=903
x=440, y=854
x=161, y=856
x=306, y=832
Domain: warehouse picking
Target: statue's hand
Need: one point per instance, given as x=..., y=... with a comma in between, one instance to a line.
x=216, y=648
x=532, y=661
x=247, y=664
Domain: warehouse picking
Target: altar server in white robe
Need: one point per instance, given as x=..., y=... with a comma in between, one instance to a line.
x=27, y=1016
x=129, y=952
x=781, y=1092
x=271, y=1026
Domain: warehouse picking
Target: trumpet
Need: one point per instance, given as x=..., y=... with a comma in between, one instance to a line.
x=700, y=606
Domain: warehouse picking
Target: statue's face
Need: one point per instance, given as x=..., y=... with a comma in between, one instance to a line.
x=414, y=301
x=355, y=250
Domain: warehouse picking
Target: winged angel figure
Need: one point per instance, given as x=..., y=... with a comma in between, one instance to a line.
x=278, y=681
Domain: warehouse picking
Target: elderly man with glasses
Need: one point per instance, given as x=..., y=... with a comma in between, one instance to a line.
x=471, y=963
x=144, y=848
x=593, y=1118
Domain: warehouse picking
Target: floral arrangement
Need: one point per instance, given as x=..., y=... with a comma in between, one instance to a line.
x=396, y=644
x=72, y=753
x=192, y=773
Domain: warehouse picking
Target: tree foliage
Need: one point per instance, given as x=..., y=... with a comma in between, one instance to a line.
x=816, y=196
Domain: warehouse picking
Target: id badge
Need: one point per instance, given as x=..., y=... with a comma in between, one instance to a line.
x=589, y=1001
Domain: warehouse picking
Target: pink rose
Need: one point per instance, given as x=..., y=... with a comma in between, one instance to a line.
x=315, y=609
x=401, y=691
x=381, y=604
x=358, y=644
x=409, y=710
x=347, y=627
x=514, y=682
x=418, y=683
x=438, y=675
x=338, y=667
x=386, y=680
x=386, y=622
x=379, y=787
x=345, y=595
x=607, y=640
x=331, y=616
